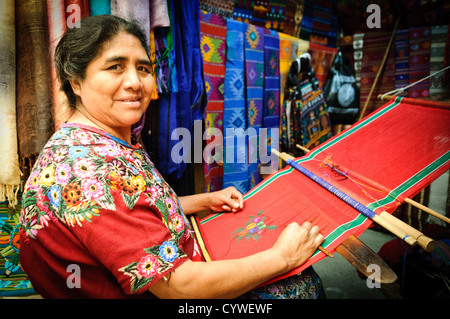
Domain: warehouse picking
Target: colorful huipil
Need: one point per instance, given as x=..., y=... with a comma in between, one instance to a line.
x=97, y=204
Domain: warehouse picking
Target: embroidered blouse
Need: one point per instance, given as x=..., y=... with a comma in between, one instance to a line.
x=98, y=220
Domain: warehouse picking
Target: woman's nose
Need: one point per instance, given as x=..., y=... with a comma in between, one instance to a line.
x=131, y=80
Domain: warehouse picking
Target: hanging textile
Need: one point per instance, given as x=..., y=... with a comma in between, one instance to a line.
x=358, y=41
x=222, y=8
x=159, y=14
x=213, y=32
x=373, y=53
x=138, y=10
x=13, y=280
x=417, y=157
x=439, y=89
x=34, y=90
x=9, y=161
x=419, y=61
x=56, y=15
x=290, y=49
x=401, y=44
x=269, y=14
x=186, y=101
x=243, y=10
x=322, y=58
x=235, y=166
x=254, y=70
x=271, y=106
x=99, y=7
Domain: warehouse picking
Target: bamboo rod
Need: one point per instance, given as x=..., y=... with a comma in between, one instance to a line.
x=376, y=218
x=386, y=53
x=387, y=191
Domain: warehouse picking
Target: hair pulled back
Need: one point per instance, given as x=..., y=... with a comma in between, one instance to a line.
x=79, y=46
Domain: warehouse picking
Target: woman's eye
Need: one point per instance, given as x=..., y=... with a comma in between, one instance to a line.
x=144, y=69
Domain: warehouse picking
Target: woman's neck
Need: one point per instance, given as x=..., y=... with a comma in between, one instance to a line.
x=80, y=116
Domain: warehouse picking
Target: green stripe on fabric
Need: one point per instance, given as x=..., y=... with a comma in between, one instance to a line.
x=392, y=196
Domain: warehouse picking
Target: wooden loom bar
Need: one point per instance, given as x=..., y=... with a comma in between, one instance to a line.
x=361, y=208
x=387, y=191
x=425, y=242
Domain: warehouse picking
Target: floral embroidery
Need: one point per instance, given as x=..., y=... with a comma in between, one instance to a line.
x=254, y=228
x=74, y=180
x=159, y=260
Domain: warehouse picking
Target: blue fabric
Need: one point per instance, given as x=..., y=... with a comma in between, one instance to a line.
x=235, y=166
x=99, y=7
x=254, y=70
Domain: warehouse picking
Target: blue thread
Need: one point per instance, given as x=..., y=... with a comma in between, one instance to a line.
x=349, y=200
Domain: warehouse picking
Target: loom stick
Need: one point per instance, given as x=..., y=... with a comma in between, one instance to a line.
x=386, y=53
x=425, y=242
x=350, y=201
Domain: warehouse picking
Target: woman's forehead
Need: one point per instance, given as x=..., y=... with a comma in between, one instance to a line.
x=122, y=45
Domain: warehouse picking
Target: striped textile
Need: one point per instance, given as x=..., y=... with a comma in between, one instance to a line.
x=235, y=166
x=419, y=61
x=254, y=70
x=377, y=184
x=9, y=161
x=17, y=283
x=373, y=52
x=401, y=43
x=213, y=32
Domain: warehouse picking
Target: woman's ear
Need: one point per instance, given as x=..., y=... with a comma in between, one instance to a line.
x=76, y=86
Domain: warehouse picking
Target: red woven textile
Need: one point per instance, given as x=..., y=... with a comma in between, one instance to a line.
x=389, y=155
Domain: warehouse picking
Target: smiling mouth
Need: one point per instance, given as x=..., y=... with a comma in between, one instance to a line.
x=133, y=102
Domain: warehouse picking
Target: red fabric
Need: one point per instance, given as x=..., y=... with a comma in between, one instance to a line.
x=398, y=145
x=98, y=204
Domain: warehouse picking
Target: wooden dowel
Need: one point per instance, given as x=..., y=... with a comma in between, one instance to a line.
x=376, y=218
x=387, y=191
x=423, y=241
x=375, y=82
x=427, y=210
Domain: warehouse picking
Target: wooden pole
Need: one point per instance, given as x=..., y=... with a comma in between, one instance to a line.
x=376, y=218
x=383, y=62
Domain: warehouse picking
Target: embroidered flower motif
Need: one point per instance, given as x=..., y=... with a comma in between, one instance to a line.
x=108, y=150
x=168, y=251
x=83, y=168
x=170, y=206
x=139, y=182
x=47, y=176
x=127, y=186
x=60, y=154
x=83, y=136
x=117, y=166
x=72, y=194
x=178, y=222
x=148, y=266
x=63, y=174
x=92, y=188
x=45, y=159
x=33, y=180
x=254, y=228
x=76, y=152
x=54, y=194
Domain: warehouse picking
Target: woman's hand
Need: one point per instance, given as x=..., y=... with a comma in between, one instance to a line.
x=228, y=200
x=297, y=243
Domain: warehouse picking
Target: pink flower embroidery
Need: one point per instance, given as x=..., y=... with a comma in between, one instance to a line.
x=93, y=188
x=148, y=266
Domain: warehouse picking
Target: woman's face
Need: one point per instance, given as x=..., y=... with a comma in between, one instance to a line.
x=118, y=84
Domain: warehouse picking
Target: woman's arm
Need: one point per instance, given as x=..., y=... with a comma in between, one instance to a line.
x=228, y=199
x=232, y=278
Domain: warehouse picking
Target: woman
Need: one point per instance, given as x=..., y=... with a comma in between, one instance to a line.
x=98, y=220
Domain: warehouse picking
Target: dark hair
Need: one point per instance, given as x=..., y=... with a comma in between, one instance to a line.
x=79, y=46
